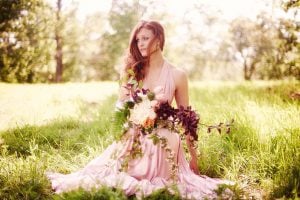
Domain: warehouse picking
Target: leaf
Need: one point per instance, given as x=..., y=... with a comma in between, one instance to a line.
x=130, y=72
x=209, y=129
x=132, y=81
x=151, y=96
x=129, y=104
x=228, y=130
x=139, y=99
x=140, y=84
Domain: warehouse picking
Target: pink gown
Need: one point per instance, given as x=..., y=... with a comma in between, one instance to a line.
x=145, y=174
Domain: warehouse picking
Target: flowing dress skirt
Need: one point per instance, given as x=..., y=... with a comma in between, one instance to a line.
x=143, y=175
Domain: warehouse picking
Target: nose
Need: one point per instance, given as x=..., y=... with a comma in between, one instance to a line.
x=140, y=45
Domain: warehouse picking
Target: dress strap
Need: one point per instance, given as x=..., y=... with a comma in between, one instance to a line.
x=167, y=81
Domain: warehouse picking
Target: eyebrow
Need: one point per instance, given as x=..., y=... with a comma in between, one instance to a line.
x=143, y=35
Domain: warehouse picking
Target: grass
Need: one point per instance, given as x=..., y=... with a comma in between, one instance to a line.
x=261, y=153
x=39, y=104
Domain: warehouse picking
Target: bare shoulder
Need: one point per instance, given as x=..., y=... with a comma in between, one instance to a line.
x=181, y=86
x=179, y=75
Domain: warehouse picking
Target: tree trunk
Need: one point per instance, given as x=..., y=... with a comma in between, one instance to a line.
x=252, y=69
x=58, y=38
x=246, y=71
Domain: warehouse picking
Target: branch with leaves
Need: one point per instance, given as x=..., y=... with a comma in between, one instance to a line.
x=219, y=127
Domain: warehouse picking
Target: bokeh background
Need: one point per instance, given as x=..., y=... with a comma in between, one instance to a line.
x=72, y=40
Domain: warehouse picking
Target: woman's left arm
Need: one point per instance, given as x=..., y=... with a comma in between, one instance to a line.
x=182, y=99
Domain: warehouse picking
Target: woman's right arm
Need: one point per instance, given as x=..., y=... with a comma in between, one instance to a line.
x=182, y=99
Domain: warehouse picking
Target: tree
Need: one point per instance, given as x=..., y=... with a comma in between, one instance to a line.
x=190, y=41
x=122, y=18
x=25, y=40
x=284, y=59
x=251, y=41
x=90, y=39
x=68, y=41
x=58, y=39
x=292, y=38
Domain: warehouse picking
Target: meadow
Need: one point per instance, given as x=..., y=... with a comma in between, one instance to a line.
x=60, y=127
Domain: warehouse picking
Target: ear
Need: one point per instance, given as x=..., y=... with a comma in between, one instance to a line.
x=157, y=44
x=157, y=47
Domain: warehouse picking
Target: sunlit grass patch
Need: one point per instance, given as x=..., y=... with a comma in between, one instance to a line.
x=38, y=104
x=67, y=134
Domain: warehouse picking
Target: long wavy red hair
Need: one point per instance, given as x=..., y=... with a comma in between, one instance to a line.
x=134, y=59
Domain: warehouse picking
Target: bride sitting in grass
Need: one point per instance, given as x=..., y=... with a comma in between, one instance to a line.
x=150, y=154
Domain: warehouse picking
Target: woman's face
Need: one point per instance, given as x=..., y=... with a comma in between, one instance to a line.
x=143, y=39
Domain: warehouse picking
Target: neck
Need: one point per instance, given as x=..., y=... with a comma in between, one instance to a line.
x=156, y=60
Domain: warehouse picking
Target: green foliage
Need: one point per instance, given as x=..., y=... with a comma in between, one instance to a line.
x=20, y=140
x=284, y=60
x=25, y=32
x=230, y=192
x=119, y=118
x=104, y=193
x=23, y=178
x=251, y=41
x=122, y=18
x=70, y=31
x=269, y=49
x=163, y=194
x=27, y=35
x=287, y=173
x=261, y=151
x=62, y=134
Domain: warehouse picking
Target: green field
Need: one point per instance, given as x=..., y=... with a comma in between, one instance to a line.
x=60, y=127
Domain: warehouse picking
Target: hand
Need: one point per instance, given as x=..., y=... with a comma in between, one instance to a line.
x=194, y=166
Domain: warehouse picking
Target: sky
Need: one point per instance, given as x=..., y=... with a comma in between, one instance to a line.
x=230, y=8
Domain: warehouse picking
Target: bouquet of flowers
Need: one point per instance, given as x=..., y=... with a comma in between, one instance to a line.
x=148, y=110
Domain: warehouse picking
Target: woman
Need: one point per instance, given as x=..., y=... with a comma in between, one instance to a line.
x=152, y=170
